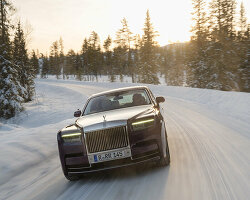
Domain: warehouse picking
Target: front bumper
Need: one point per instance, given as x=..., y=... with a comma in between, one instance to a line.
x=81, y=164
x=144, y=146
x=112, y=164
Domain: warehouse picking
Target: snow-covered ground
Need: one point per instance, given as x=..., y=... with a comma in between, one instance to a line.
x=209, y=140
x=105, y=78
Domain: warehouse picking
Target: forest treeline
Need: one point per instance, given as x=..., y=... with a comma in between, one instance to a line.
x=216, y=57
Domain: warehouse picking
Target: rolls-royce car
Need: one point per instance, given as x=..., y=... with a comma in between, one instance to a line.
x=115, y=128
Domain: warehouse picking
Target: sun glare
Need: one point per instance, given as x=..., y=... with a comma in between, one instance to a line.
x=171, y=18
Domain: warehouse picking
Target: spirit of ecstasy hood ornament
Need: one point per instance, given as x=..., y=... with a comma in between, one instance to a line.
x=104, y=120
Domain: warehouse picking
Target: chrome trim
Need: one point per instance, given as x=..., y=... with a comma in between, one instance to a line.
x=111, y=150
x=99, y=145
x=106, y=128
x=100, y=125
x=117, y=166
x=91, y=154
x=75, y=168
x=156, y=153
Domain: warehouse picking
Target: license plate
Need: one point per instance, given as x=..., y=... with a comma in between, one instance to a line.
x=109, y=156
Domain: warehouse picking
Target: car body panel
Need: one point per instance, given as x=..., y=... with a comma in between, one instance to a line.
x=113, y=118
x=143, y=145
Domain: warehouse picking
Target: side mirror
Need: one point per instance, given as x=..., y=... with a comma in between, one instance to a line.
x=77, y=113
x=160, y=100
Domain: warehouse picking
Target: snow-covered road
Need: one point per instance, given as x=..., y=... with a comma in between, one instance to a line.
x=209, y=141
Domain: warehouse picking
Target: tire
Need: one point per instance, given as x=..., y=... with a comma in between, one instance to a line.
x=165, y=161
x=72, y=177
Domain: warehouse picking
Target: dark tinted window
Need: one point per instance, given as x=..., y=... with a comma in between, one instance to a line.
x=117, y=100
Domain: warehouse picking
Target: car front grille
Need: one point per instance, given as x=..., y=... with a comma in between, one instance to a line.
x=106, y=139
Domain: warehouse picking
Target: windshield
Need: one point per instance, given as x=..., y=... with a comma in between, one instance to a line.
x=117, y=100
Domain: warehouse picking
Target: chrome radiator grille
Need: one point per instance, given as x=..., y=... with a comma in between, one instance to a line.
x=106, y=139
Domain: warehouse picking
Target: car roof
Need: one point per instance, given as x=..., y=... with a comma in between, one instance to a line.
x=119, y=90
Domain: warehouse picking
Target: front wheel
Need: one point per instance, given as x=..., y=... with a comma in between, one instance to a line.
x=164, y=161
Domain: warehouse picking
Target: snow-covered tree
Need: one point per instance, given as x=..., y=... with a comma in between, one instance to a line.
x=198, y=72
x=69, y=62
x=77, y=65
x=84, y=55
x=61, y=56
x=200, y=28
x=148, y=61
x=173, y=63
x=11, y=91
x=34, y=62
x=244, y=51
x=108, y=55
x=20, y=59
x=222, y=53
x=54, y=59
x=44, y=66
x=222, y=20
x=124, y=35
x=242, y=23
x=94, y=56
x=123, y=49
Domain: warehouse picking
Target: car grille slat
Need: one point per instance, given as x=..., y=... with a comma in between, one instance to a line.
x=106, y=139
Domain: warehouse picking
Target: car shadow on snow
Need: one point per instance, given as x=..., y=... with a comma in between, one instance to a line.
x=129, y=172
x=146, y=181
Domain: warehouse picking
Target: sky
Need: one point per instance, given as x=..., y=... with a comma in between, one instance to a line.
x=73, y=20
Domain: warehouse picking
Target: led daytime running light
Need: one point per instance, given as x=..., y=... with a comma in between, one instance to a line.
x=142, y=122
x=71, y=135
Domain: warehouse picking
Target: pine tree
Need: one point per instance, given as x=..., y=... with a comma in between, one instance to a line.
x=77, y=67
x=10, y=89
x=55, y=59
x=69, y=63
x=222, y=19
x=167, y=65
x=45, y=66
x=222, y=56
x=61, y=56
x=61, y=47
x=85, y=55
x=94, y=54
x=20, y=59
x=148, y=62
x=200, y=29
x=123, y=49
x=135, y=57
x=107, y=44
x=242, y=22
x=198, y=70
x=91, y=55
x=34, y=62
x=244, y=51
x=244, y=69
x=108, y=54
x=174, y=60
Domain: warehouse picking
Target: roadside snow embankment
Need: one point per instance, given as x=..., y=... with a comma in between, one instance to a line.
x=30, y=138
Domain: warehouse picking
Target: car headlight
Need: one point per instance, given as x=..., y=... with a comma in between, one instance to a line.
x=72, y=137
x=143, y=123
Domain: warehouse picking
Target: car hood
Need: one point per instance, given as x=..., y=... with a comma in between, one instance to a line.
x=113, y=118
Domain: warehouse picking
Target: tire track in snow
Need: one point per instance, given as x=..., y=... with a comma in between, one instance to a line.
x=208, y=158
